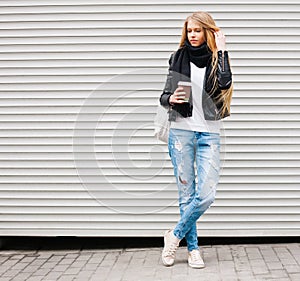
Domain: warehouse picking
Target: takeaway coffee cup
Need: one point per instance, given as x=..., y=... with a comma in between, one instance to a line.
x=186, y=89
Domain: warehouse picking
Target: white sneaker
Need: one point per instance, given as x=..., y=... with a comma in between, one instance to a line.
x=171, y=245
x=195, y=259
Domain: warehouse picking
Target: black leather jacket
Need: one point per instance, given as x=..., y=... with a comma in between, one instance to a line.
x=211, y=108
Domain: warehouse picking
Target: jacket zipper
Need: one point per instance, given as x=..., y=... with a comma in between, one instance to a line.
x=223, y=61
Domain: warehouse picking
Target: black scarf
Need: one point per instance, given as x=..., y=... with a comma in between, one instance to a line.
x=181, y=71
x=200, y=56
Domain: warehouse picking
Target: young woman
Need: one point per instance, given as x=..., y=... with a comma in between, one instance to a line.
x=202, y=60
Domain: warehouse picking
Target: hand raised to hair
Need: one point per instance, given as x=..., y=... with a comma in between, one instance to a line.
x=220, y=40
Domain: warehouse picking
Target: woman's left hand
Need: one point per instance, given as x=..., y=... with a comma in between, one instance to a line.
x=220, y=40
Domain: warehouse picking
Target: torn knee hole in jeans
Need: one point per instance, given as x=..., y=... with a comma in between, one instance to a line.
x=178, y=145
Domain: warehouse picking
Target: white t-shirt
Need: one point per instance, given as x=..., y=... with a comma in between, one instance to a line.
x=197, y=121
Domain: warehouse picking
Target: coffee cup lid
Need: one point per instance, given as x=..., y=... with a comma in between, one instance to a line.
x=184, y=83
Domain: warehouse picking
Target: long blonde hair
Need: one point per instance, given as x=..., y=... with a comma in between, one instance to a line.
x=208, y=26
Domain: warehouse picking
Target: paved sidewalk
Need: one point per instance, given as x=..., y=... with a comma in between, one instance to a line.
x=247, y=262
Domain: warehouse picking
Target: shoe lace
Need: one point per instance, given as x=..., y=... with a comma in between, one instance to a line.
x=196, y=256
x=172, y=249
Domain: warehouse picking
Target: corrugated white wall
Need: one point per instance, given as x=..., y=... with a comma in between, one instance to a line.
x=79, y=87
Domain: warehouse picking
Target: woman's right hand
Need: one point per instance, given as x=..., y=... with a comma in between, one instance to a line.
x=178, y=96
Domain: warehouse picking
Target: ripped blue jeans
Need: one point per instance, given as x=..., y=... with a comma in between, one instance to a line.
x=187, y=148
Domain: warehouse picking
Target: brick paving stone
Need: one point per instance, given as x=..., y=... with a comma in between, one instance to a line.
x=283, y=253
x=292, y=268
x=245, y=275
x=196, y=273
x=227, y=268
x=78, y=263
x=276, y=274
x=6, y=279
x=259, y=270
x=154, y=251
x=67, y=278
x=117, y=275
x=127, y=255
x=122, y=262
x=22, y=276
x=152, y=261
x=19, y=265
x=53, y=275
x=279, y=273
x=48, y=265
x=31, y=268
x=149, y=278
x=178, y=277
x=274, y=265
x=29, y=259
x=180, y=268
x=294, y=248
x=11, y=273
x=297, y=258
x=3, y=258
x=5, y=267
x=224, y=253
x=38, y=262
x=66, y=261
x=3, y=270
x=208, y=251
x=90, y=266
x=81, y=278
x=295, y=276
x=108, y=261
x=72, y=255
x=60, y=267
x=281, y=279
x=139, y=254
x=84, y=274
x=253, y=253
x=269, y=254
x=84, y=257
x=44, y=254
x=242, y=263
x=97, y=258
x=229, y=278
x=72, y=270
x=214, y=267
x=101, y=273
x=153, y=258
x=238, y=251
x=55, y=258
x=17, y=257
x=42, y=271
x=163, y=272
x=35, y=278
x=149, y=271
x=211, y=263
x=135, y=262
x=181, y=256
x=112, y=255
x=9, y=263
x=290, y=261
x=258, y=266
x=210, y=276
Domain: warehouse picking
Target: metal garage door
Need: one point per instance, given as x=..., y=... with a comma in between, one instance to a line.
x=79, y=87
